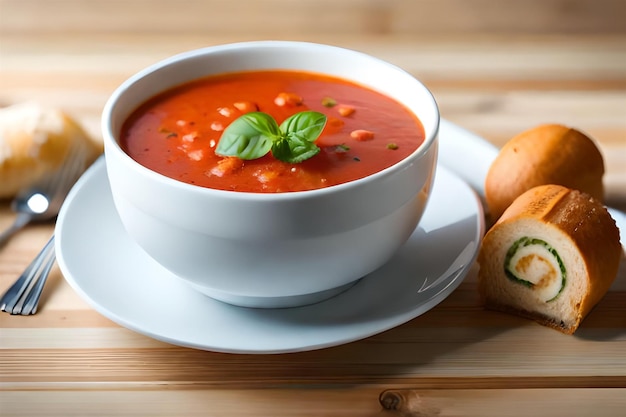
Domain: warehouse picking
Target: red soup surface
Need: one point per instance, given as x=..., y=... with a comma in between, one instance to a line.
x=176, y=133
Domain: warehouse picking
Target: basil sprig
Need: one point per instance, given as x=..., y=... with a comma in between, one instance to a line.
x=253, y=135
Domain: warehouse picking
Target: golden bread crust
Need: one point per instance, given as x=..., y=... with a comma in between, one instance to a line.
x=546, y=154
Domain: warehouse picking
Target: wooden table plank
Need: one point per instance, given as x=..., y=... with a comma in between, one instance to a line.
x=346, y=402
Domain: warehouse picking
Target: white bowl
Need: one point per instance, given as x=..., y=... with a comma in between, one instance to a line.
x=274, y=250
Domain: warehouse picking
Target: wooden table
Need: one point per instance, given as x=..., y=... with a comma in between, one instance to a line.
x=496, y=68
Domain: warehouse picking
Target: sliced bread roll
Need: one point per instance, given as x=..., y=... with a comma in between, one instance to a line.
x=550, y=257
x=546, y=154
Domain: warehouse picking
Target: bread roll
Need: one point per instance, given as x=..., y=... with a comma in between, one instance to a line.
x=547, y=154
x=33, y=142
x=551, y=257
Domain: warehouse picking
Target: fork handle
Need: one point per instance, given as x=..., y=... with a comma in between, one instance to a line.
x=23, y=296
x=21, y=220
x=31, y=302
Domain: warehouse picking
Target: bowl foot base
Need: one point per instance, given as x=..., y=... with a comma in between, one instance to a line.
x=274, y=302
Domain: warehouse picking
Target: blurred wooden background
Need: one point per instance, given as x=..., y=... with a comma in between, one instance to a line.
x=496, y=67
x=316, y=17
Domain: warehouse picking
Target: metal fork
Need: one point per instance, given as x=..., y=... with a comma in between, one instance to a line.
x=23, y=296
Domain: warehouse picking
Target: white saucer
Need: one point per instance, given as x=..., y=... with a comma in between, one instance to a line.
x=121, y=282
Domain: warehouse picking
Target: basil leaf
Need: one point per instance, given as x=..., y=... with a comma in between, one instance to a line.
x=263, y=123
x=254, y=134
x=280, y=149
x=293, y=149
x=306, y=125
x=249, y=136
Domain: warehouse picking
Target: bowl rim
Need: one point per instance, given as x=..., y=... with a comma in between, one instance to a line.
x=111, y=144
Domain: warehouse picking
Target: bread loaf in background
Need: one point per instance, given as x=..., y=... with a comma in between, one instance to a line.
x=546, y=154
x=550, y=257
x=34, y=141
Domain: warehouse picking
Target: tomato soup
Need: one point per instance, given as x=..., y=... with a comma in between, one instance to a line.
x=176, y=133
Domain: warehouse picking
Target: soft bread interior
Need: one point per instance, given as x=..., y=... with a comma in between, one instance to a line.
x=542, y=300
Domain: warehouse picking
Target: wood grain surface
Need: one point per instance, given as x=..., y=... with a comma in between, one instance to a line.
x=495, y=67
